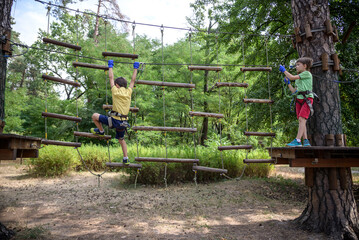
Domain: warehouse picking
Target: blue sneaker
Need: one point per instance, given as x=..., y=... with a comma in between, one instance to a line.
x=294, y=143
x=306, y=143
x=96, y=131
x=126, y=161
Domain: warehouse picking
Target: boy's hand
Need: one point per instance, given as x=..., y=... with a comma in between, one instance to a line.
x=286, y=80
x=282, y=68
x=110, y=63
x=136, y=65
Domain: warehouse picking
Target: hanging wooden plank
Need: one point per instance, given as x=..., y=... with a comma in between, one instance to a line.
x=256, y=69
x=264, y=134
x=252, y=100
x=61, y=116
x=60, y=143
x=325, y=62
x=258, y=161
x=117, y=164
x=63, y=44
x=163, y=129
x=88, y=65
x=109, y=107
x=166, y=84
x=123, y=55
x=207, y=68
x=221, y=148
x=56, y=79
x=168, y=160
x=335, y=58
x=205, y=114
x=90, y=135
x=231, y=84
x=208, y=169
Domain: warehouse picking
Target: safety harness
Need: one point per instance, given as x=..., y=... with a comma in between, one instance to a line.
x=116, y=114
x=304, y=94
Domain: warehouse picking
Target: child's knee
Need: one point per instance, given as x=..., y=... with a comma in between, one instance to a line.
x=95, y=116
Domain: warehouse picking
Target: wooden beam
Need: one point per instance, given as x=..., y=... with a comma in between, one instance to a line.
x=167, y=160
x=231, y=84
x=207, y=68
x=164, y=129
x=88, y=65
x=205, y=114
x=333, y=182
x=256, y=69
x=90, y=135
x=61, y=116
x=309, y=177
x=8, y=154
x=62, y=44
x=60, y=80
x=324, y=162
x=258, y=160
x=61, y=143
x=264, y=134
x=343, y=178
x=252, y=100
x=165, y=84
x=109, y=107
x=221, y=148
x=123, y=55
x=208, y=169
x=117, y=164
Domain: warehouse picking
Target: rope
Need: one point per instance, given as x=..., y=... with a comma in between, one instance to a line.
x=219, y=105
x=164, y=104
x=269, y=96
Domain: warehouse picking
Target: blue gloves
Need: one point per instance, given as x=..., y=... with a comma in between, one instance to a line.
x=110, y=63
x=282, y=68
x=136, y=65
x=286, y=80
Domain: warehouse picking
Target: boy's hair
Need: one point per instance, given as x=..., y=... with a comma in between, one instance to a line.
x=307, y=61
x=121, y=81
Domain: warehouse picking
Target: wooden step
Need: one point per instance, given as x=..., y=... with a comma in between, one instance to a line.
x=164, y=129
x=264, y=134
x=117, y=164
x=90, y=135
x=258, y=161
x=208, y=68
x=60, y=143
x=256, y=69
x=166, y=84
x=61, y=116
x=204, y=114
x=56, y=79
x=63, y=44
x=221, y=148
x=231, y=84
x=109, y=107
x=88, y=65
x=123, y=55
x=252, y=100
x=167, y=160
x=208, y=169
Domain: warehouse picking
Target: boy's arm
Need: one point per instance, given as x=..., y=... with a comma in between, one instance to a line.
x=291, y=88
x=110, y=73
x=287, y=74
x=136, y=65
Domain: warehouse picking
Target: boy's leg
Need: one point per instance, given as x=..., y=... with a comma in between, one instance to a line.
x=302, y=129
x=96, y=120
x=124, y=147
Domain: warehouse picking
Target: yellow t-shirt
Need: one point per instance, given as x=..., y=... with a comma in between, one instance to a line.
x=121, y=98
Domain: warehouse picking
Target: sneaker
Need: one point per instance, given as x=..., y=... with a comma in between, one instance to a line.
x=294, y=143
x=96, y=131
x=306, y=143
x=126, y=161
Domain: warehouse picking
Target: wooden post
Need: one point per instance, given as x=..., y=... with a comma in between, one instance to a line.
x=325, y=65
x=339, y=138
x=343, y=178
x=329, y=27
x=329, y=138
x=309, y=177
x=333, y=183
x=308, y=32
x=335, y=58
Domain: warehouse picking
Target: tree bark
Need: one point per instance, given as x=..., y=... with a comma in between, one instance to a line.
x=331, y=207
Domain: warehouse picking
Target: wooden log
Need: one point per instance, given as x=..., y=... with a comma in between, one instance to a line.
x=221, y=148
x=329, y=28
x=256, y=69
x=207, y=68
x=309, y=177
x=60, y=143
x=335, y=35
x=109, y=107
x=339, y=138
x=163, y=129
x=347, y=33
x=167, y=160
x=90, y=135
x=231, y=84
x=258, y=161
x=56, y=79
x=325, y=63
x=88, y=65
x=205, y=114
x=63, y=44
x=252, y=100
x=298, y=38
x=117, y=164
x=208, y=169
x=264, y=134
x=335, y=58
x=329, y=139
x=166, y=84
x=324, y=162
x=123, y=55
x=61, y=116
x=308, y=32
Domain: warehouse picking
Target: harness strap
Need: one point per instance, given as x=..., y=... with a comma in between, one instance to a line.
x=116, y=114
x=304, y=93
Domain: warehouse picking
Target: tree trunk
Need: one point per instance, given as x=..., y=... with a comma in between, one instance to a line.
x=329, y=209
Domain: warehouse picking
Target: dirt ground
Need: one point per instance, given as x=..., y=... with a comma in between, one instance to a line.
x=74, y=207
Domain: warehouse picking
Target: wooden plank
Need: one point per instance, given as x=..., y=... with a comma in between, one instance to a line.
x=221, y=148
x=207, y=68
x=258, y=160
x=205, y=114
x=61, y=116
x=61, y=143
x=264, y=134
x=90, y=135
x=27, y=153
x=256, y=69
x=117, y=164
x=282, y=161
x=173, y=160
x=88, y=65
x=282, y=153
x=109, y=107
x=166, y=84
x=164, y=129
x=123, y=55
x=309, y=177
x=208, y=169
x=60, y=80
x=252, y=100
x=63, y=44
x=231, y=84
x=324, y=162
x=8, y=154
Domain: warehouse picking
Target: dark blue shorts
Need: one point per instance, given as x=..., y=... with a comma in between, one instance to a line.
x=117, y=124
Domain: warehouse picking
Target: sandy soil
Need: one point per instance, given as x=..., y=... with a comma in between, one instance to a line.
x=74, y=207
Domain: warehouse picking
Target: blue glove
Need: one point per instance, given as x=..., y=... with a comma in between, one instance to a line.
x=110, y=63
x=136, y=65
x=282, y=68
x=286, y=80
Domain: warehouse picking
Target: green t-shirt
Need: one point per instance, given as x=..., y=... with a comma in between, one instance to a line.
x=305, y=83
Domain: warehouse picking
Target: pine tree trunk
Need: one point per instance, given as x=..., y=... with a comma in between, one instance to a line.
x=329, y=209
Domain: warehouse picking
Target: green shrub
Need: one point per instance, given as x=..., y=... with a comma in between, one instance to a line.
x=94, y=156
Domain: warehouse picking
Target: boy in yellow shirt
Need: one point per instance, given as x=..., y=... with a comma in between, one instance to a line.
x=121, y=98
